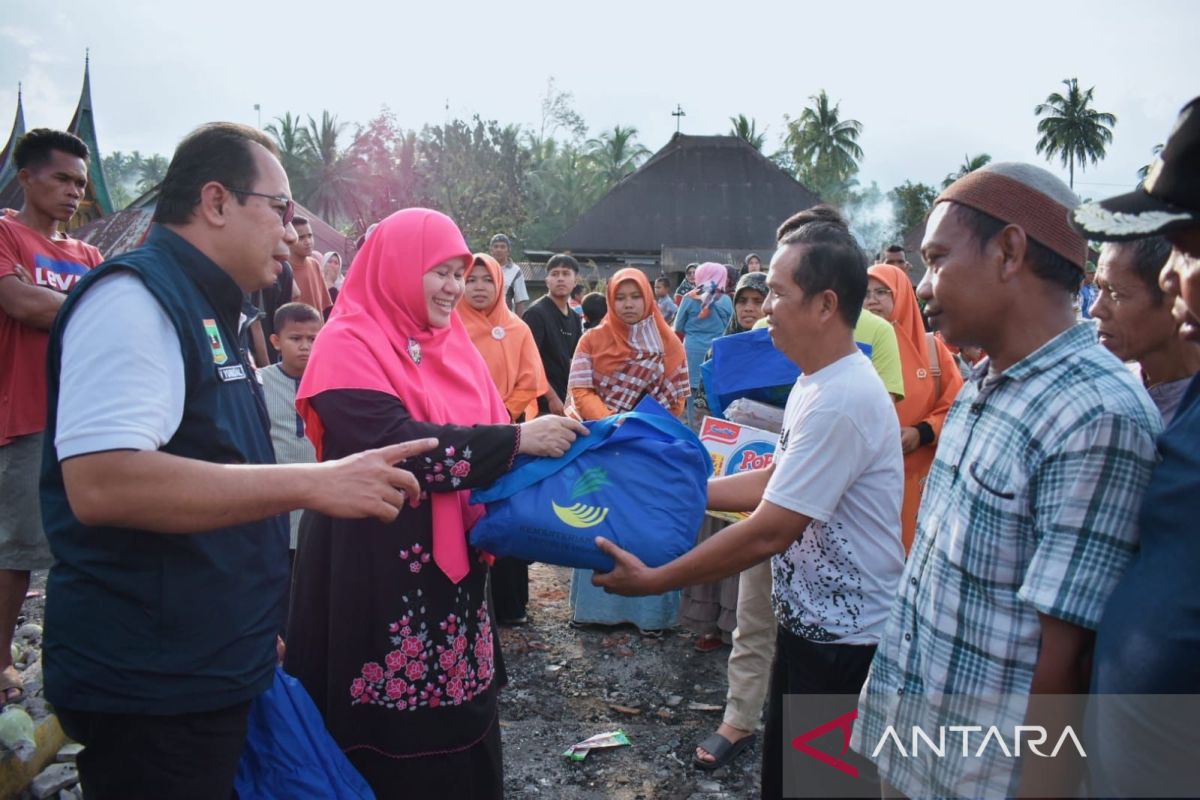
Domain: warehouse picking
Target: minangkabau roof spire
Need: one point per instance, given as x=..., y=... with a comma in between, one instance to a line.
x=8, y=170
x=83, y=125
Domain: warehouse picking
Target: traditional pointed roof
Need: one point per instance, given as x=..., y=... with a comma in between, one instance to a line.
x=96, y=202
x=11, y=195
x=8, y=170
x=697, y=191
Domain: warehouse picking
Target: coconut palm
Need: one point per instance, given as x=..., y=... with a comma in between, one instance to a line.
x=748, y=129
x=1071, y=129
x=151, y=172
x=969, y=165
x=616, y=153
x=330, y=179
x=1144, y=170
x=824, y=147
x=288, y=133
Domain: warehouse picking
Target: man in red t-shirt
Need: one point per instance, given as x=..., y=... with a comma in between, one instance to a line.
x=306, y=269
x=38, y=266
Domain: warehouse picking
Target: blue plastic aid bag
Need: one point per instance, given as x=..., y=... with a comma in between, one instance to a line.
x=289, y=755
x=639, y=480
x=746, y=365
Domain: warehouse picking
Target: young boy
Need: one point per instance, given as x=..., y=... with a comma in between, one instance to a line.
x=662, y=290
x=296, y=327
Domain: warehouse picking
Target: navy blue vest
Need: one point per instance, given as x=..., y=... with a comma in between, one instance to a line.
x=150, y=623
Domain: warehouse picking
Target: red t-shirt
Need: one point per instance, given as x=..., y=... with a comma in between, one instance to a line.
x=57, y=265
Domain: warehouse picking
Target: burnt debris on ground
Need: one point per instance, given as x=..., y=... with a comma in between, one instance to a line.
x=567, y=684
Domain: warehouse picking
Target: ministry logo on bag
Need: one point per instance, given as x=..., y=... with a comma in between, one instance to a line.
x=580, y=515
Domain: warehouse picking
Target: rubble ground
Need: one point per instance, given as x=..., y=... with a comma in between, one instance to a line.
x=567, y=684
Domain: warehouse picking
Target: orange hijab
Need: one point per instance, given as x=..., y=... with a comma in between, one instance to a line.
x=609, y=342
x=914, y=347
x=506, y=344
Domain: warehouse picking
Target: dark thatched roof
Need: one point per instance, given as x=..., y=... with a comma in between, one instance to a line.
x=698, y=191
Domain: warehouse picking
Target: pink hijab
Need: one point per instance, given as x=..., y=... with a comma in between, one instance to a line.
x=710, y=285
x=379, y=331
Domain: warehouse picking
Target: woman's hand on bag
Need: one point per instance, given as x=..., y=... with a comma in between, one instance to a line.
x=629, y=576
x=549, y=436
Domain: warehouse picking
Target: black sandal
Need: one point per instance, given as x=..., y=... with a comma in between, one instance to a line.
x=722, y=750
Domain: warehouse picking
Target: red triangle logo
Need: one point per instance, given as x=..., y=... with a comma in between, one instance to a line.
x=846, y=724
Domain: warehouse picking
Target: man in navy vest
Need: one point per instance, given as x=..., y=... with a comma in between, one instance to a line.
x=163, y=506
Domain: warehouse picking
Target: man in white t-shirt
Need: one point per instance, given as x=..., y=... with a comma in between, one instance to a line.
x=827, y=511
x=516, y=296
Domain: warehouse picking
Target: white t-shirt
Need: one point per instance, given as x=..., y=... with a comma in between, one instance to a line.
x=514, y=278
x=121, y=385
x=839, y=463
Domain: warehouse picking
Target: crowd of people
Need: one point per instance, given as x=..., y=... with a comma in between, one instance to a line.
x=231, y=451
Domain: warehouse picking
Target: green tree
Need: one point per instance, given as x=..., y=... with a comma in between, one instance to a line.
x=116, y=167
x=474, y=172
x=616, y=153
x=748, y=129
x=1142, y=172
x=911, y=203
x=969, y=165
x=331, y=180
x=288, y=133
x=563, y=184
x=824, y=147
x=151, y=172
x=1071, y=129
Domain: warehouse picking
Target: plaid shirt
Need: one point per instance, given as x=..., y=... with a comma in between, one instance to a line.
x=1031, y=506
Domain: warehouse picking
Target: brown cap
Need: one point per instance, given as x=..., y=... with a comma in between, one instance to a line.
x=1044, y=219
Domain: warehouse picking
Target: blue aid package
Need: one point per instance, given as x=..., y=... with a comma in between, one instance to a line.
x=639, y=480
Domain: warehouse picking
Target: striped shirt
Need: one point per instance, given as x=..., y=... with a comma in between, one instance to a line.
x=1030, y=507
x=287, y=428
x=644, y=373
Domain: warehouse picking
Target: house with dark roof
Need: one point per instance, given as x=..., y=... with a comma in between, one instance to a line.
x=699, y=198
x=96, y=201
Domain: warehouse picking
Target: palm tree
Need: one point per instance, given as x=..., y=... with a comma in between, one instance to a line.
x=330, y=178
x=748, y=129
x=824, y=147
x=969, y=165
x=616, y=153
x=289, y=138
x=1071, y=129
x=1144, y=170
x=151, y=172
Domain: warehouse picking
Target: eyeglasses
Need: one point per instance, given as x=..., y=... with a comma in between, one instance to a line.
x=878, y=294
x=289, y=205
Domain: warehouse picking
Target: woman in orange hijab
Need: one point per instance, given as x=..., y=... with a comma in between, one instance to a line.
x=504, y=341
x=632, y=354
x=929, y=388
x=511, y=355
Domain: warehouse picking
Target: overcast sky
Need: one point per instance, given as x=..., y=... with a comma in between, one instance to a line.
x=930, y=81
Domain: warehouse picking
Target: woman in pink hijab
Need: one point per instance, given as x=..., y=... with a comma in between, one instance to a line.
x=390, y=629
x=703, y=315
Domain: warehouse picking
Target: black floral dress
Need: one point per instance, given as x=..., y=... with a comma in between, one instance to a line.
x=403, y=664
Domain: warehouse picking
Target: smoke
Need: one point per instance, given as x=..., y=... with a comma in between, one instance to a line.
x=872, y=219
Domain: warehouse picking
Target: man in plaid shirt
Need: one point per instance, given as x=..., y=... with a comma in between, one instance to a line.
x=1029, y=513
